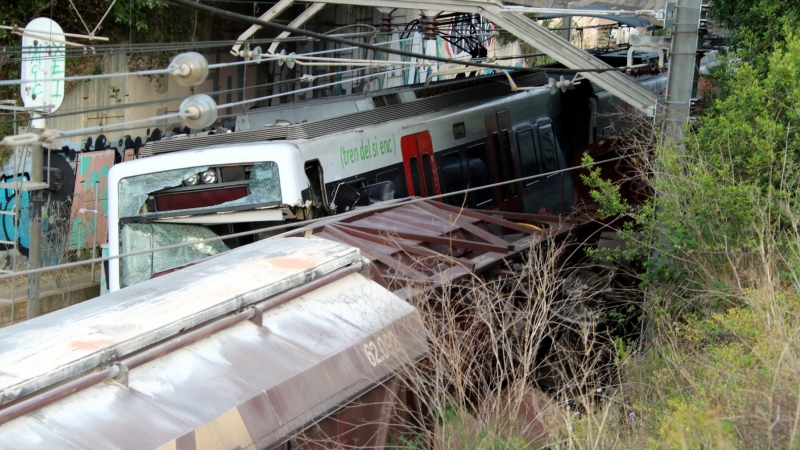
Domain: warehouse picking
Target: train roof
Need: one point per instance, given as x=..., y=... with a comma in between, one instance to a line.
x=208, y=376
x=318, y=117
x=352, y=111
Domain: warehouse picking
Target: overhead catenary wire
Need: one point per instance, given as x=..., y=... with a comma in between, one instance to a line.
x=79, y=111
x=302, y=32
x=124, y=126
x=303, y=223
x=171, y=69
x=95, y=50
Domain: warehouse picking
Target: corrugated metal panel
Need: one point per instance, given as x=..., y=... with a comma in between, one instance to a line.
x=246, y=386
x=51, y=348
x=423, y=245
x=184, y=142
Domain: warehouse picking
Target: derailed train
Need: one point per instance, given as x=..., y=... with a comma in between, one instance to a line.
x=327, y=156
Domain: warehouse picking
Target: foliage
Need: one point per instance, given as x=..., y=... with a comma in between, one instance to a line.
x=722, y=366
x=138, y=21
x=758, y=27
x=603, y=191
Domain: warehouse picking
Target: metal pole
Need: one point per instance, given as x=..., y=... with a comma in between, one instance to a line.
x=96, y=218
x=34, y=255
x=683, y=77
x=566, y=25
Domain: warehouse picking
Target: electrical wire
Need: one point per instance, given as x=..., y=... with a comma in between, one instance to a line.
x=171, y=69
x=124, y=126
x=79, y=111
x=95, y=50
x=303, y=223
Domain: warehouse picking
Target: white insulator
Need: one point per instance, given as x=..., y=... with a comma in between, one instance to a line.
x=198, y=111
x=189, y=69
x=552, y=86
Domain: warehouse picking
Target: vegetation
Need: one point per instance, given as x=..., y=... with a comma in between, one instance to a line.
x=719, y=361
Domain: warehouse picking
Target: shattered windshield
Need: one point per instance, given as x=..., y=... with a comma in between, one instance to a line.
x=263, y=187
x=137, y=237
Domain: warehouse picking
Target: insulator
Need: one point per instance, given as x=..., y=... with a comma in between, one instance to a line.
x=198, y=111
x=429, y=27
x=386, y=22
x=189, y=69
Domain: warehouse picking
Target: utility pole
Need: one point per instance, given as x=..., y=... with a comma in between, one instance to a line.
x=685, y=19
x=35, y=252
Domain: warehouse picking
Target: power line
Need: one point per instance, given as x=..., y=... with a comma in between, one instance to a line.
x=124, y=126
x=79, y=111
x=303, y=223
x=96, y=50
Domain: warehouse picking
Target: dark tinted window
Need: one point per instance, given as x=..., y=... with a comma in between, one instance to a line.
x=479, y=175
x=451, y=176
x=547, y=143
x=397, y=178
x=528, y=156
x=426, y=169
x=414, y=168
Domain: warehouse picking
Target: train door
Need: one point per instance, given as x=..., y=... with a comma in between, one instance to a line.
x=420, y=165
x=505, y=160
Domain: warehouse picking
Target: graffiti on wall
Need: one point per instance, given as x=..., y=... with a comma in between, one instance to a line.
x=14, y=230
x=91, y=180
x=76, y=173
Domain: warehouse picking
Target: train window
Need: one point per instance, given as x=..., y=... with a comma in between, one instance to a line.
x=528, y=156
x=413, y=166
x=426, y=170
x=479, y=175
x=548, y=146
x=397, y=179
x=452, y=176
x=357, y=183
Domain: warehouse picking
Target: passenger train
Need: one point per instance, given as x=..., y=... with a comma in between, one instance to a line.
x=327, y=156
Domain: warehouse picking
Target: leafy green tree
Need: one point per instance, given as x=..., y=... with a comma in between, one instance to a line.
x=757, y=27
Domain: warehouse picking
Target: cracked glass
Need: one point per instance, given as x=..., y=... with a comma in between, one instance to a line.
x=263, y=187
x=146, y=236
x=133, y=191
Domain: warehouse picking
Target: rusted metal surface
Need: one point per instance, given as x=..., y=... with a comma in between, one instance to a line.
x=46, y=398
x=46, y=350
x=247, y=385
x=425, y=244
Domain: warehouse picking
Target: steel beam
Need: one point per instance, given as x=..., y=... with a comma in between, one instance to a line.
x=298, y=22
x=270, y=14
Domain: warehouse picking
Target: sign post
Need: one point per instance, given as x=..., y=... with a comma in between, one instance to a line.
x=42, y=89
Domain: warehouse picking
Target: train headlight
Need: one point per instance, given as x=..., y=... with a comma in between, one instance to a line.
x=209, y=176
x=192, y=180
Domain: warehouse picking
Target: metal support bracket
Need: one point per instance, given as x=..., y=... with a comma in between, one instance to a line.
x=658, y=44
x=122, y=377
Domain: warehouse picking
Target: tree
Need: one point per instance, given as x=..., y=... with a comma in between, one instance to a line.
x=757, y=27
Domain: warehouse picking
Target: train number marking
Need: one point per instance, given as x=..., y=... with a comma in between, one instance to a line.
x=382, y=348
